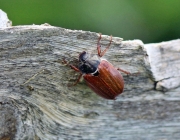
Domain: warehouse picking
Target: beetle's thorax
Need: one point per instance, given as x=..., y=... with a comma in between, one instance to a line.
x=88, y=63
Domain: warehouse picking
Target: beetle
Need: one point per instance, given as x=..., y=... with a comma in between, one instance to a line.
x=100, y=75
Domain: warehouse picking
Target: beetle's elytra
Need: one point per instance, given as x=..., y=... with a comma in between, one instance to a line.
x=100, y=75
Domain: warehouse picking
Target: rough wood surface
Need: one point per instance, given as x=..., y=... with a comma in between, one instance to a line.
x=45, y=108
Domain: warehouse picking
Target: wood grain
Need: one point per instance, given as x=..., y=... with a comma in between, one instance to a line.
x=45, y=108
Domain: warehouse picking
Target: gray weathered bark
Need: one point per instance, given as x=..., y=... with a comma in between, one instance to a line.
x=35, y=102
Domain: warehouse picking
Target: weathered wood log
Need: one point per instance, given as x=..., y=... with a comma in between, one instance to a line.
x=35, y=102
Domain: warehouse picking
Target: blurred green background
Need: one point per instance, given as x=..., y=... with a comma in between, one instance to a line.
x=147, y=20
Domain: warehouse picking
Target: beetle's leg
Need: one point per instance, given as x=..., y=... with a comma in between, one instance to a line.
x=99, y=47
x=128, y=73
x=77, y=81
x=72, y=67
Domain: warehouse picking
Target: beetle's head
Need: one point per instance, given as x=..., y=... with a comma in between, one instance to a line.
x=88, y=63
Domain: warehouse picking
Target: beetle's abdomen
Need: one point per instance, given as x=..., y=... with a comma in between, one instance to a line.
x=108, y=84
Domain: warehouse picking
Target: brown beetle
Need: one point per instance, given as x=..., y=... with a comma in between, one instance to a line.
x=100, y=75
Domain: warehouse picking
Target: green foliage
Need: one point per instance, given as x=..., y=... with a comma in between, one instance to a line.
x=150, y=21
